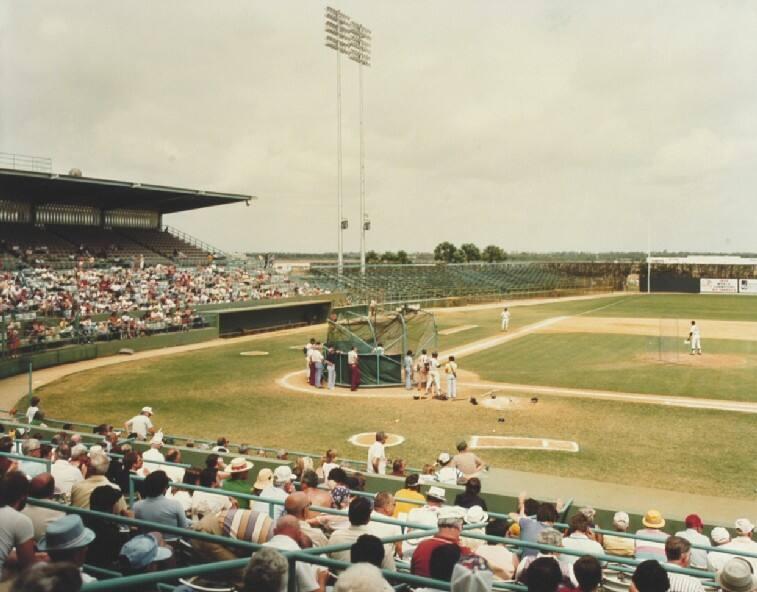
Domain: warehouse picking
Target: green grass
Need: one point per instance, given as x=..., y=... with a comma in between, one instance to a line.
x=216, y=392
x=617, y=363
x=723, y=307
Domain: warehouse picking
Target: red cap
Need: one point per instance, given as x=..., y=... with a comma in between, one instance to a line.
x=693, y=521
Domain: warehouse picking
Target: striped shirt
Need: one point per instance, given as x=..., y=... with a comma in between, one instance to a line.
x=682, y=583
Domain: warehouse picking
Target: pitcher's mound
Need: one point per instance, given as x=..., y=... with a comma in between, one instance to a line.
x=366, y=439
x=519, y=443
x=253, y=353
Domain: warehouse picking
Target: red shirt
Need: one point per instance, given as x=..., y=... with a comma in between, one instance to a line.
x=420, y=565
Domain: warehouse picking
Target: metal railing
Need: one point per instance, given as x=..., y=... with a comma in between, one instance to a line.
x=24, y=162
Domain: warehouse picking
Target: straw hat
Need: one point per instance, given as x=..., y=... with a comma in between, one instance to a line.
x=239, y=465
x=264, y=479
x=653, y=519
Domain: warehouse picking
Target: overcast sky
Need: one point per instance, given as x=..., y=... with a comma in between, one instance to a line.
x=531, y=125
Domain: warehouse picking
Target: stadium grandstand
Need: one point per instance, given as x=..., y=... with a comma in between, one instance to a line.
x=208, y=505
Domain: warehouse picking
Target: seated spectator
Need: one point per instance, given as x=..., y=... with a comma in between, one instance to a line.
x=49, y=577
x=362, y=577
x=203, y=502
x=297, y=505
x=399, y=468
x=41, y=487
x=66, y=541
x=367, y=549
x=153, y=457
x=302, y=464
x=470, y=497
x=467, y=462
x=328, y=462
x=31, y=447
x=156, y=507
x=263, y=480
x=678, y=553
x=317, y=497
x=288, y=537
x=441, y=564
x=653, y=524
x=448, y=474
x=359, y=516
x=502, y=561
x=81, y=492
x=650, y=576
x=109, y=535
x=616, y=545
x=16, y=530
x=7, y=464
x=552, y=537
x=588, y=573
x=184, y=496
x=474, y=515
x=693, y=534
x=64, y=473
x=450, y=523
x=222, y=446
x=142, y=554
x=580, y=539
x=546, y=516
x=279, y=490
x=239, y=468
x=383, y=508
x=175, y=474
x=31, y=411
x=425, y=515
x=215, y=461
x=737, y=576
x=267, y=571
x=743, y=540
x=411, y=491
x=715, y=560
x=543, y=575
x=471, y=574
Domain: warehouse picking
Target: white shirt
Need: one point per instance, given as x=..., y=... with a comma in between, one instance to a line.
x=578, y=541
x=66, y=475
x=175, y=474
x=153, y=454
x=740, y=543
x=276, y=493
x=30, y=413
x=15, y=529
x=306, y=581
x=208, y=503
x=695, y=331
x=449, y=475
x=140, y=424
x=376, y=452
x=316, y=356
x=683, y=583
x=698, y=556
x=381, y=530
x=505, y=315
x=352, y=357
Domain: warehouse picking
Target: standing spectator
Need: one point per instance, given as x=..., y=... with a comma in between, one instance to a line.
x=316, y=357
x=65, y=474
x=16, y=530
x=141, y=424
x=580, y=539
x=377, y=455
x=353, y=361
x=469, y=464
x=408, y=366
x=41, y=487
x=693, y=534
x=715, y=560
x=237, y=483
x=67, y=540
x=678, y=553
x=331, y=359
x=156, y=507
x=279, y=490
x=411, y=491
x=653, y=524
x=617, y=545
x=82, y=491
x=470, y=497
x=650, y=576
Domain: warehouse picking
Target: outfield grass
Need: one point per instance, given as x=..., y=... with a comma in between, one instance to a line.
x=723, y=307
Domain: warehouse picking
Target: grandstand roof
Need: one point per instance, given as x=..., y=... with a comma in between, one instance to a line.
x=51, y=188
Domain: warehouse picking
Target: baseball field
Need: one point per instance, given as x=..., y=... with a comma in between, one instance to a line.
x=611, y=374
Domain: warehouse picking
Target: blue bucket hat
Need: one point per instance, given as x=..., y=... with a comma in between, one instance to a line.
x=68, y=532
x=142, y=550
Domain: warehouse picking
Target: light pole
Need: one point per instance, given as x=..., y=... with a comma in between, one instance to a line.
x=338, y=39
x=360, y=52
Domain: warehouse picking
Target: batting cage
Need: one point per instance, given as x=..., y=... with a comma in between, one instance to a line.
x=381, y=339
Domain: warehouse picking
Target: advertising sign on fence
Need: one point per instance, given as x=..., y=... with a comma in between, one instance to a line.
x=748, y=287
x=718, y=286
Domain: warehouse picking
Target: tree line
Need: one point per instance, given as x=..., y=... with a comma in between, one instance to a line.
x=468, y=253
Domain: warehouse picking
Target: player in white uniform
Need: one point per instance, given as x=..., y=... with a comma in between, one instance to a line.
x=695, y=339
x=505, y=320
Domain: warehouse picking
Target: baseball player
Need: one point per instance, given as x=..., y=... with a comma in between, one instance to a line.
x=505, y=320
x=694, y=339
x=434, y=379
x=450, y=369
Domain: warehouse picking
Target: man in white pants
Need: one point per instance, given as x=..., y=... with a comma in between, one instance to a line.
x=505, y=320
x=434, y=379
x=450, y=369
x=694, y=338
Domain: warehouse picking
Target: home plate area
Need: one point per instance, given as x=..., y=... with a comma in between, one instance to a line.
x=522, y=443
x=366, y=439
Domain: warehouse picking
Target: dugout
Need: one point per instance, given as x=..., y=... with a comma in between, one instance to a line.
x=240, y=321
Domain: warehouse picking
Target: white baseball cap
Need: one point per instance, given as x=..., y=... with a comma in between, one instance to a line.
x=744, y=525
x=720, y=535
x=621, y=519
x=444, y=458
x=437, y=493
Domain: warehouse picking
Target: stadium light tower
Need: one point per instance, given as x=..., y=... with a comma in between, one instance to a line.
x=360, y=52
x=338, y=38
